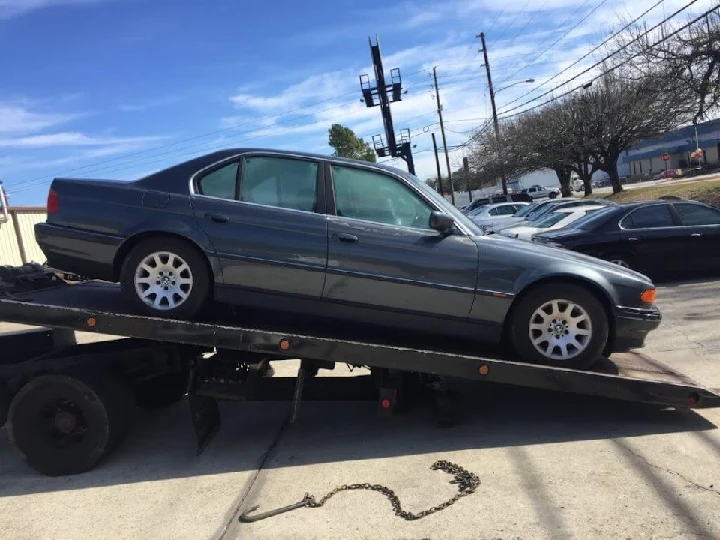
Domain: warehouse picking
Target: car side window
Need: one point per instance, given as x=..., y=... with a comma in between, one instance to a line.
x=506, y=210
x=694, y=214
x=280, y=182
x=373, y=196
x=220, y=182
x=649, y=217
x=493, y=211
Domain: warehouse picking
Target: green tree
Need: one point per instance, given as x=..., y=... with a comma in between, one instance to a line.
x=346, y=144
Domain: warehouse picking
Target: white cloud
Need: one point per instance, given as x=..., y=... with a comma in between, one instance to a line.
x=71, y=139
x=18, y=119
x=14, y=8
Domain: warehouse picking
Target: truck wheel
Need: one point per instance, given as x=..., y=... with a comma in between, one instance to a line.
x=553, y=195
x=560, y=325
x=161, y=392
x=65, y=425
x=166, y=277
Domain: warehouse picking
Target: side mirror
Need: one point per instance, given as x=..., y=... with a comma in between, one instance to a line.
x=441, y=222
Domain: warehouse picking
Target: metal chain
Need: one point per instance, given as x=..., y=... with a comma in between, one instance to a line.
x=467, y=484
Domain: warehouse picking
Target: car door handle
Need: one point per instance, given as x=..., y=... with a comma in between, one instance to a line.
x=633, y=239
x=345, y=237
x=217, y=218
x=696, y=235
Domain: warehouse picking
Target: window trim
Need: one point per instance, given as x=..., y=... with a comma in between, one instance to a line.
x=320, y=197
x=382, y=172
x=667, y=206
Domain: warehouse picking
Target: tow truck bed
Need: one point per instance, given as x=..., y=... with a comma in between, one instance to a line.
x=99, y=307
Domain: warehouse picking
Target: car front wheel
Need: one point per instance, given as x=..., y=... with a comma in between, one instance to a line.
x=166, y=277
x=560, y=325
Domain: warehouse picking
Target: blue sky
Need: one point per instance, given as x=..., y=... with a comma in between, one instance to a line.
x=119, y=88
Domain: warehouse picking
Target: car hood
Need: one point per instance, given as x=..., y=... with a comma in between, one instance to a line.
x=542, y=251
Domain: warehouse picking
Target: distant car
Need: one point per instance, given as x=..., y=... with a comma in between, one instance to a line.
x=537, y=192
x=495, y=212
x=557, y=219
x=662, y=237
x=540, y=208
x=353, y=241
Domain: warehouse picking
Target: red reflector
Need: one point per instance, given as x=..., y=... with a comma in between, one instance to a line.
x=385, y=403
x=53, y=203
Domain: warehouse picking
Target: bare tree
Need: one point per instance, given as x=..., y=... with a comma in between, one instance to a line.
x=618, y=112
x=689, y=58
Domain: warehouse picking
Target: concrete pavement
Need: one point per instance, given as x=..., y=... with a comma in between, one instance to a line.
x=551, y=465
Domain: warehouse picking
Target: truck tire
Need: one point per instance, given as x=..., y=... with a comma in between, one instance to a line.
x=161, y=392
x=166, y=277
x=560, y=325
x=62, y=424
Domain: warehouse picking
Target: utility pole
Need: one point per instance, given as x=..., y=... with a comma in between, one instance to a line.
x=386, y=94
x=442, y=131
x=494, y=113
x=466, y=168
x=437, y=164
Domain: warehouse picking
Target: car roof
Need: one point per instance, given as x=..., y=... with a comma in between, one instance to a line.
x=189, y=167
x=579, y=208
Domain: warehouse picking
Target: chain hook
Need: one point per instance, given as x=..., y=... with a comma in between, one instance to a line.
x=246, y=518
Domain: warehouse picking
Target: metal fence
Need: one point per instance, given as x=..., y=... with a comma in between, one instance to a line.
x=17, y=236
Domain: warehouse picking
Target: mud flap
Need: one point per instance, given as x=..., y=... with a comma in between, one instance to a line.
x=205, y=417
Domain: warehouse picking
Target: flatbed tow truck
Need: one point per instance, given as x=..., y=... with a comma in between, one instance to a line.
x=67, y=405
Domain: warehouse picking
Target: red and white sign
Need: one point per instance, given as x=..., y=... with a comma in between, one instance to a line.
x=666, y=157
x=697, y=154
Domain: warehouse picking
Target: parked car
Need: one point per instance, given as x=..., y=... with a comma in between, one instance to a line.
x=497, y=198
x=557, y=219
x=539, y=209
x=663, y=237
x=537, y=192
x=495, y=212
x=351, y=240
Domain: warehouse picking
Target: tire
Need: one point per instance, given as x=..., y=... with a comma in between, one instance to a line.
x=553, y=195
x=63, y=425
x=165, y=253
x=621, y=259
x=592, y=332
x=161, y=392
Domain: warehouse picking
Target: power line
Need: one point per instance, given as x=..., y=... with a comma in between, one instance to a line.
x=583, y=57
x=94, y=168
x=593, y=10
x=30, y=185
x=605, y=72
x=601, y=61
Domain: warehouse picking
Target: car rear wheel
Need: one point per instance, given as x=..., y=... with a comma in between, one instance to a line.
x=560, y=325
x=166, y=277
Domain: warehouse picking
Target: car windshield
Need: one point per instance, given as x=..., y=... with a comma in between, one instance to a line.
x=525, y=210
x=592, y=219
x=549, y=221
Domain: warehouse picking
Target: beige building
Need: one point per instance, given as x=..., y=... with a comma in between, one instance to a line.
x=17, y=236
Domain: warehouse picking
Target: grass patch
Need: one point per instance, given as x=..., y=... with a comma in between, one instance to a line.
x=706, y=191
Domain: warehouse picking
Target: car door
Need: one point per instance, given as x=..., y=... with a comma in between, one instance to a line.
x=383, y=254
x=262, y=214
x=701, y=225
x=655, y=238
